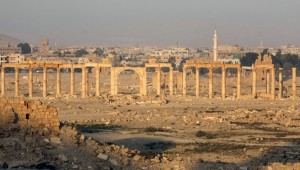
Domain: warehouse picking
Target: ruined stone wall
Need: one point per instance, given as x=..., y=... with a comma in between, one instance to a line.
x=28, y=113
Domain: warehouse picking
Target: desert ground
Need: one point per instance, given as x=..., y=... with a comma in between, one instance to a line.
x=175, y=132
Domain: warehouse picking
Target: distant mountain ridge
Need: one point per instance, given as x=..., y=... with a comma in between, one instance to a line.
x=5, y=40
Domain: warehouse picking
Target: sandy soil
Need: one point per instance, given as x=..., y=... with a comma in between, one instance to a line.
x=197, y=133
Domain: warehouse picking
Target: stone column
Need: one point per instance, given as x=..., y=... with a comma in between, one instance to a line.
x=197, y=81
x=30, y=81
x=223, y=82
x=72, y=92
x=158, y=80
x=83, y=82
x=87, y=82
x=44, y=81
x=2, y=81
x=112, y=81
x=144, y=79
x=268, y=82
x=97, y=81
x=210, y=81
x=171, y=81
x=254, y=82
x=238, y=86
x=280, y=83
x=294, y=75
x=184, y=82
x=164, y=85
x=58, y=82
x=273, y=84
x=16, y=81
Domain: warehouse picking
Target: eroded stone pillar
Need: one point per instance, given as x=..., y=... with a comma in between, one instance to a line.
x=144, y=79
x=16, y=81
x=268, y=82
x=197, y=81
x=280, y=83
x=87, y=82
x=30, y=81
x=210, y=81
x=2, y=81
x=254, y=82
x=112, y=81
x=176, y=84
x=58, y=82
x=184, y=82
x=171, y=81
x=223, y=82
x=158, y=81
x=44, y=81
x=273, y=84
x=294, y=75
x=83, y=83
x=97, y=81
x=72, y=90
x=238, y=86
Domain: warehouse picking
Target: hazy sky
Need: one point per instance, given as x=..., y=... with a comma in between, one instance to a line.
x=152, y=22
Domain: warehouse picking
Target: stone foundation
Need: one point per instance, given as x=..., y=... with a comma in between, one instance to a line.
x=28, y=113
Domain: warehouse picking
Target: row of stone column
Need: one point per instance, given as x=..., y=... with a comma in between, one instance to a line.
x=210, y=82
x=85, y=82
x=58, y=82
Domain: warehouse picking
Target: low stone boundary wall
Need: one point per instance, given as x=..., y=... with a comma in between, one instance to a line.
x=30, y=113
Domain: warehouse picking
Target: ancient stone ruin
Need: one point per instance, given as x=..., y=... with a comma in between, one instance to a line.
x=28, y=113
x=259, y=69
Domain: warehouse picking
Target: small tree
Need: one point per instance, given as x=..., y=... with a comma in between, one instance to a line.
x=265, y=51
x=248, y=59
x=99, y=52
x=80, y=53
x=58, y=53
x=25, y=48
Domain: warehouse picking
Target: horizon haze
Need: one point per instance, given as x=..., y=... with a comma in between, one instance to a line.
x=191, y=23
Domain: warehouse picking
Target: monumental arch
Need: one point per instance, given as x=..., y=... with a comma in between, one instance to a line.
x=116, y=71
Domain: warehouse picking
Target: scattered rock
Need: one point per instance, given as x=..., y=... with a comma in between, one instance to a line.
x=62, y=157
x=55, y=140
x=113, y=161
x=137, y=157
x=102, y=156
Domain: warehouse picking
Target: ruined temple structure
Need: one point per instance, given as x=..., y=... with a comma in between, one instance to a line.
x=176, y=81
x=266, y=60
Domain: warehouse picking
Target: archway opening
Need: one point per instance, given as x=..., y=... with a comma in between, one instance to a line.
x=191, y=81
x=105, y=80
x=151, y=81
x=37, y=83
x=128, y=82
x=204, y=73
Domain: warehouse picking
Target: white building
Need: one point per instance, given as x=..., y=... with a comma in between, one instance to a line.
x=3, y=59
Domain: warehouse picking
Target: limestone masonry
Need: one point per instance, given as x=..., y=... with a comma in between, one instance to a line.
x=28, y=113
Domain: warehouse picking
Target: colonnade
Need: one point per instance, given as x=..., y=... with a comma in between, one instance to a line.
x=141, y=71
x=210, y=66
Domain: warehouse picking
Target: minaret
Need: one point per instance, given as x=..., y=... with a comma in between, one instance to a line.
x=215, y=48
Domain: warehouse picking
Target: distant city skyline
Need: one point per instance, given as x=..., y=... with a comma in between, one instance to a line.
x=191, y=23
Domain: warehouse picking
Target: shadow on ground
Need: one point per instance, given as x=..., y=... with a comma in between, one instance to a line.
x=148, y=146
x=284, y=155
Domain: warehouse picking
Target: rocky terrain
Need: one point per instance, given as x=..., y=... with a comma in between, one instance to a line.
x=151, y=132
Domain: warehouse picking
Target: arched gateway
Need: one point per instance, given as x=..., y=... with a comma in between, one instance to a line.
x=116, y=71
